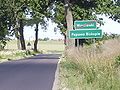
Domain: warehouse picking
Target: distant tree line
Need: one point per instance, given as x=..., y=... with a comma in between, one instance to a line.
x=45, y=39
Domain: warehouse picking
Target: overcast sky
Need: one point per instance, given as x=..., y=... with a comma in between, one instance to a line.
x=110, y=27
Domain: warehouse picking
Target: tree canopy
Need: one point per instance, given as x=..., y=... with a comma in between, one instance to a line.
x=13, y=11
x=86, y=9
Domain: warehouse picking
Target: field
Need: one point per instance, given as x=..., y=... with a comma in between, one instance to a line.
x=45, y=47
x=91, y=68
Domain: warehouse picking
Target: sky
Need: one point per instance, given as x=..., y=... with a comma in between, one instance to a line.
x=30, y=33
x=109, y=26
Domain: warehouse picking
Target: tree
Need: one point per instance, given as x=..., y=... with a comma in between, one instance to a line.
x=19, y=15
x=36, y=38
x=14, y=13
x=21, y=37
x=38, y=12
x=115, y=12
x=4, y=23
x=83, y=10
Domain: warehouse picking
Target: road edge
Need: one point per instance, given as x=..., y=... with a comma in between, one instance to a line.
x=56, y=81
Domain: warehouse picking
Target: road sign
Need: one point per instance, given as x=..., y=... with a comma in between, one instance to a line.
x=85, y=24
x=85, y=34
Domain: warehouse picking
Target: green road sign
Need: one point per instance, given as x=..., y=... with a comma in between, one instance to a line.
x=85, y=34
x=85, y=24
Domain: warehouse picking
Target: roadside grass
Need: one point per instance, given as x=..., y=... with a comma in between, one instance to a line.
x=91, y=68
x=10, y=55
x=44, y=47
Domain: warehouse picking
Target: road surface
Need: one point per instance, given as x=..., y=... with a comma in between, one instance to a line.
x=35, y=73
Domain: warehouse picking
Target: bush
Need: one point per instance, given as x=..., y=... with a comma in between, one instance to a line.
x=117, y=61
x=2, y=44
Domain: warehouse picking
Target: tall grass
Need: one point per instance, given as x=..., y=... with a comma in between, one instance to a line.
x=92, y=68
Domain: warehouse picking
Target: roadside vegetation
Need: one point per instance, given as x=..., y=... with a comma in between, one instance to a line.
x=11, y=52
x=91, y=68
x=11, y=55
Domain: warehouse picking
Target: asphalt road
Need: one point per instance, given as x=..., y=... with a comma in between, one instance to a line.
x=35, y=73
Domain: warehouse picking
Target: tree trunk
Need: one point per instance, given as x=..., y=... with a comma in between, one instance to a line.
x=36, y=38
x=22, y=40
x=18, y=42
x=69, y=20
x=64, y=38
x=16, y=30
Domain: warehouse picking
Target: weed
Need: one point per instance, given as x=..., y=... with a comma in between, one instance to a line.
x=85, y=69
x=117, y=61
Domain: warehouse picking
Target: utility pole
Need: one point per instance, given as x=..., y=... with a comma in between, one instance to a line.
x=69, y=20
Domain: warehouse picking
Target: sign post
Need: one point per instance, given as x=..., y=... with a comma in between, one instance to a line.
x=85, y=29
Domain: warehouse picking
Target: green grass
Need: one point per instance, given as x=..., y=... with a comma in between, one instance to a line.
x=84, y=69
x=68, y=75
x=75, y=76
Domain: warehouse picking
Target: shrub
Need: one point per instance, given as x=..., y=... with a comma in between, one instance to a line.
x=2, y=44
